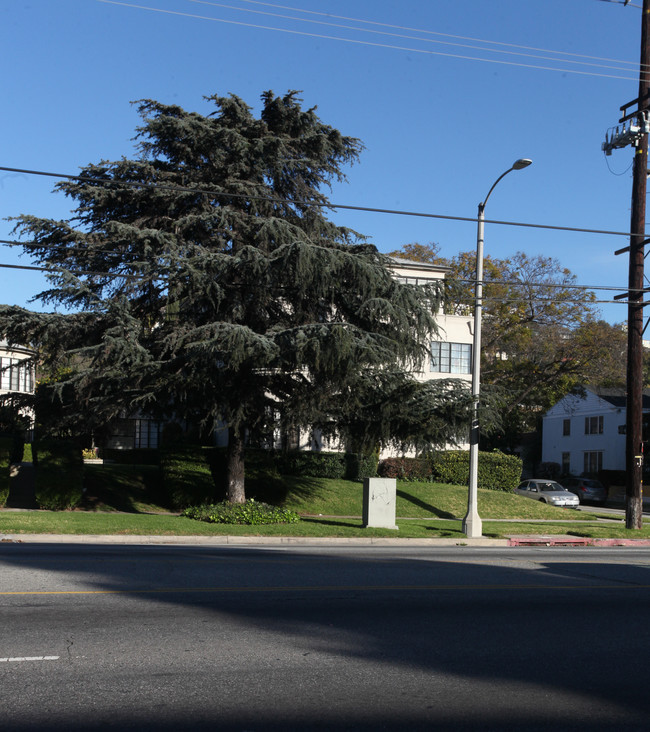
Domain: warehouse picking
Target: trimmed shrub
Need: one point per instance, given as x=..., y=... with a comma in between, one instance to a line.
x=312, y=464
x=252, y=512
x=187, y=476
x=337, y=465
x=136, y=456
x=496, y=471
x=612, y=477
x=403, y=468
x=552, y=471
x=59, y=474
x=358, y=467
x=6, y=446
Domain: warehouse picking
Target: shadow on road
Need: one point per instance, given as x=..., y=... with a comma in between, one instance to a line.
x=433, y=639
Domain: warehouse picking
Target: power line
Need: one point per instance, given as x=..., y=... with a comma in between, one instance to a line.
x=83, y=273
x=344, y=207
x=504, y=299
x=367, y=43
x=419, y=38
x=634, y=64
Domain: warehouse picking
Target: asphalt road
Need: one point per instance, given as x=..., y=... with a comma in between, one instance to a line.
x=195, y=637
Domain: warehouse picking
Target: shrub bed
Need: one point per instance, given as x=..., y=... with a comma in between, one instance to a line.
x=252, y=512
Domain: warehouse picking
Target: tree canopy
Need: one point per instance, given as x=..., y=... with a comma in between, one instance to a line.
x=203, y=281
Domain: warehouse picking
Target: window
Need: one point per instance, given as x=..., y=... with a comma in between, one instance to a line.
x=566, y=463
x=147, y=433
x=566, y=427
x=593, y=462
x=16, y=375
x=451, y=358
x=594, y=425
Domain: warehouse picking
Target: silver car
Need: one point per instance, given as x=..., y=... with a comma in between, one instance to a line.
x=547, y=491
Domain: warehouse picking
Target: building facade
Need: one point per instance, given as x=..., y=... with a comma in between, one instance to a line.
x=586, y=434
x=16, y=371
x=17, y=376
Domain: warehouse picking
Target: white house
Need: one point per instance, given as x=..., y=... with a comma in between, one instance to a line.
x=587, y=434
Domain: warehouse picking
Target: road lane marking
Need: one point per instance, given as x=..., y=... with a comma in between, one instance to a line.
x=325, y=588
x=28, y=658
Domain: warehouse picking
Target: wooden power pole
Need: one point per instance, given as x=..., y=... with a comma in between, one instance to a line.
x=634, y=421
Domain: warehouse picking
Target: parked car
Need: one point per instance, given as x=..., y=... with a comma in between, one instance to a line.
x=587, y=489
x=547, y=491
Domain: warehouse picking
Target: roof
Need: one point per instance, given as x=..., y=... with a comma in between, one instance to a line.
x=422, y=266
x=618, y=397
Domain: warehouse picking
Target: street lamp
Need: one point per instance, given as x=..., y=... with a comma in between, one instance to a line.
x=472, y=524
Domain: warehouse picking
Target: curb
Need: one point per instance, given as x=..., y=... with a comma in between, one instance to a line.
x=242, y=540
x=532, y=540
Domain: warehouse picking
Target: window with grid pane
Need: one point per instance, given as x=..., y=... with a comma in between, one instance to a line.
x=593, y=462
x=594, y=425
x=451, y=358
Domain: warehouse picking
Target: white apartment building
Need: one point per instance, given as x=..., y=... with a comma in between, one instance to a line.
x=16, y=373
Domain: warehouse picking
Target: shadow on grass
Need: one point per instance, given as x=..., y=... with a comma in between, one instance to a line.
x=125, y=489
x=326, y=522
x=426, y=506
x=278, y=489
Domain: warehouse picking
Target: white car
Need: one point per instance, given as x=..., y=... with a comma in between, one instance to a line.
x=547, y=491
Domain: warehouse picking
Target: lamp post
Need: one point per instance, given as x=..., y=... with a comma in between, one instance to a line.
x=472, y=524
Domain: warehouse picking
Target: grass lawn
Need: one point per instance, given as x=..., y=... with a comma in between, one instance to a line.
x=127, y=500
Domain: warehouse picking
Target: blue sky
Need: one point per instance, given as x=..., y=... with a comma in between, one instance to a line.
x=445, y=95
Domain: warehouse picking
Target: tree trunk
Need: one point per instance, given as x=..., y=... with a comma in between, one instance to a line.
x=236, y=490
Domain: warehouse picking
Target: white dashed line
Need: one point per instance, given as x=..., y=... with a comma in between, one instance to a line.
x=29, y=658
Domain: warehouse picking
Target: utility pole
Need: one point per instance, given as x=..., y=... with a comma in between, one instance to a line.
x=634, y=427
x=633, y=129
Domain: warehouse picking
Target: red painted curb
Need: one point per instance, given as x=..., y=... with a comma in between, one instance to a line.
x=573, y=541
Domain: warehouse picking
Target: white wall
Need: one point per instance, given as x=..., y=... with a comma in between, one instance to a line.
x=22, y=377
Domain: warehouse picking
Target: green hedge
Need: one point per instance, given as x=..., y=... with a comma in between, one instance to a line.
x=612, y=477
x=403, y=468
x=6, y=447
x=327, y=465
x=59, y=473
x=496, y=471
x=135, y=456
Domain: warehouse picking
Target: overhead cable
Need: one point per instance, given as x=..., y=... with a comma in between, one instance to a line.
x=546, y=57
x=345, y=207
x=373, y=44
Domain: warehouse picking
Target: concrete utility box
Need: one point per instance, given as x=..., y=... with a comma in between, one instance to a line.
x=379, y=499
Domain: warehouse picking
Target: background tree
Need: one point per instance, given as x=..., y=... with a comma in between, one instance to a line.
x=216, y=289
x=540, y=338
